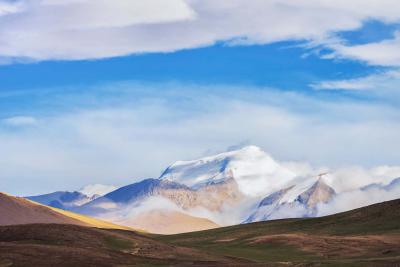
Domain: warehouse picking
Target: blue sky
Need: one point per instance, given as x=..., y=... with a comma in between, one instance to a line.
x=281, y=65
x=95, y=100
x=284, y=65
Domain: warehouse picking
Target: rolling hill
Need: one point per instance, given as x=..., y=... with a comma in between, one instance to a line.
x=72, y=245
x=32, y=234
x=369, y=236
x=16, y=210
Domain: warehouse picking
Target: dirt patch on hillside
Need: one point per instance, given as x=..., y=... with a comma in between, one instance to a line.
x=337, y=246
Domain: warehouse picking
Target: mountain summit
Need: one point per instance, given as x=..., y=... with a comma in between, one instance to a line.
x=252, y=169
x=319, y=192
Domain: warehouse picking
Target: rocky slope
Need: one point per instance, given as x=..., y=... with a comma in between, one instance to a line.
x=294, y=201
x=143, y=203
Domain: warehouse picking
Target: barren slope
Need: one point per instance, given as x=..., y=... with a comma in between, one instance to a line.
x=16, y=210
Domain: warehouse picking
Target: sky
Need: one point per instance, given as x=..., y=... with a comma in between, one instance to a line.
x=114, y=91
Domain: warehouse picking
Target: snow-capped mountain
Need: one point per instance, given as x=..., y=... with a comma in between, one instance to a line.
x=163, y=199
x=244, y=185
x=62, y=199
x=133, y=193
x=254, y=171
x=70, y=200
x=212, y=196
x=298, y=200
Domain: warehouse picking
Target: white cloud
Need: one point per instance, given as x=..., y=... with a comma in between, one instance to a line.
x=20, y=121
x=353, y=177
x=357, y=199
x=126, y=214
x=383, y=53
x=84, y=29
x=97, y=189
x=388, y=80
x=7, y=8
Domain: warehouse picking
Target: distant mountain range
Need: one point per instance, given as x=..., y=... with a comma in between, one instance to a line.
x=241, y=186
x=68, y=200
x=62, y=199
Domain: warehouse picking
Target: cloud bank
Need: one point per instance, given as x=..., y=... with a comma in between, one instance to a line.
x=84, y=29
x=358, y=198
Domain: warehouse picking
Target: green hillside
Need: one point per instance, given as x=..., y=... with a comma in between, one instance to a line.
x=361, y=237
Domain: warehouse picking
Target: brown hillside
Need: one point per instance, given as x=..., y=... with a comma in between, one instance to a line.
x=16, y=210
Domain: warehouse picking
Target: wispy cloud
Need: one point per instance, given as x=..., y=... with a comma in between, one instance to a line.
x=386, y=80
x=132, y=136
x=383, y=53
x=20, y=121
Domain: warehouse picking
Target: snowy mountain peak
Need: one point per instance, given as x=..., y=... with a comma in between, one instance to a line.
x=248, y=151
x=319, y=192
x=254, y=171
x=96, y=190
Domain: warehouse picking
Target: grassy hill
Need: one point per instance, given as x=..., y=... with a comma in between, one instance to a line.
x=74, y=245
x=369, y=236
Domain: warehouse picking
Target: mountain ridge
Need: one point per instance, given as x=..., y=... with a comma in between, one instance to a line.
x=244, y=185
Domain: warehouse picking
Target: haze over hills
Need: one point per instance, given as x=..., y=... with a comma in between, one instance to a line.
x=164, y=221
x=244, y=185
x=127, y=206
